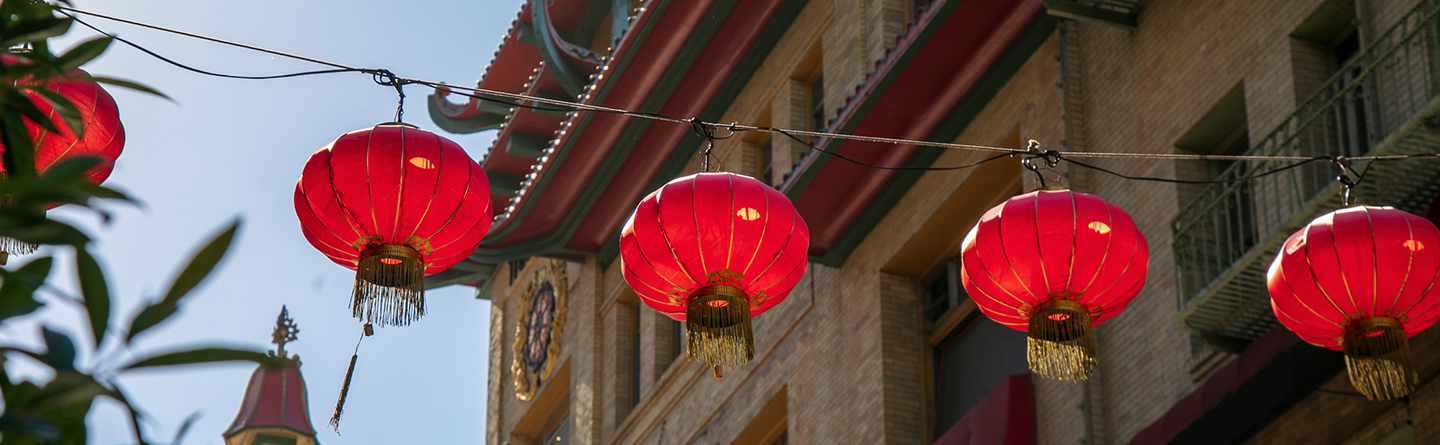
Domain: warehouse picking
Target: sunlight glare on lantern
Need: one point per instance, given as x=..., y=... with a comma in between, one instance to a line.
x=422, y=163
x=390, y=261
x=717, y=304
x=1414, y=245
x=1099, y=227
x=748, y=214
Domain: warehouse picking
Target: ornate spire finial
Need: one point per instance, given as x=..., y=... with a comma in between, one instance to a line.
x=285, y=331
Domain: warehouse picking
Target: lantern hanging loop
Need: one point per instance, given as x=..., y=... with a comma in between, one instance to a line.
x=706, y=130
x=1033, y=152
x=1348, y=179
x=388, y=78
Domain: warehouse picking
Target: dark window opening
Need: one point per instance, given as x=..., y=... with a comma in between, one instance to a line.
x=767, y=161
x=943, y=293
x=817, y=103
x=970, y=363
x=1227, y=230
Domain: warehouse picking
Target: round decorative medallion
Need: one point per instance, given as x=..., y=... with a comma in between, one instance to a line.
x=538, y=329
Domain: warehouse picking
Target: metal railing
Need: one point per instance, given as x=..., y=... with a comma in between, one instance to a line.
x=1377, y=103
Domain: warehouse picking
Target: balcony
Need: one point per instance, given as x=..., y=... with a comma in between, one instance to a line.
x=1383, y=102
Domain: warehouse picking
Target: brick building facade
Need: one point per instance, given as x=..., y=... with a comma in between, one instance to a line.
x=878, y=343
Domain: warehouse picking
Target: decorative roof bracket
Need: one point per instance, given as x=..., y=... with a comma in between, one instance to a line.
x=555, y=50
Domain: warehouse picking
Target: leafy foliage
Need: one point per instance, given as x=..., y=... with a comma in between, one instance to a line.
x=55, y=411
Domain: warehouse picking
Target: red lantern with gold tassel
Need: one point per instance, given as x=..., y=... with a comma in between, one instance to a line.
x=1055, y=264
x=395, y=204
x=712, y=250
x=1361, y=280
x=102, y=137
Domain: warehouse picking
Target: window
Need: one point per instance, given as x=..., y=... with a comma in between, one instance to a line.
x=817, y=102
x=1230, y=229
x=969, y=364
x=515, y=266
x=677, y=340
x=270, y=439
x=1323, y=46
x=636, y=310
x=767, y=161
x=944, y=293
x=971, y=356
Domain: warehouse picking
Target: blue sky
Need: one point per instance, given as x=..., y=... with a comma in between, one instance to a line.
x=228, y=148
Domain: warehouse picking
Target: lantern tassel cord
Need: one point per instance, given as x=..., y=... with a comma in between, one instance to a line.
x=520, y=100
x=349, y=373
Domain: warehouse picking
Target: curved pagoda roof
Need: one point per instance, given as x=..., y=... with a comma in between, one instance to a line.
x=275, y=398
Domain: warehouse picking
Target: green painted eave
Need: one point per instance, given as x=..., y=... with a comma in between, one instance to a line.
x=491, y=116
x=660, y=93
x=517, y=219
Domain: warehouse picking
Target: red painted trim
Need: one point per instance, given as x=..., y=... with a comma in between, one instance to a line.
x=1005, y=417
x=1216, y=388
x=706, y=77
x=937, y=78
x=630, y=90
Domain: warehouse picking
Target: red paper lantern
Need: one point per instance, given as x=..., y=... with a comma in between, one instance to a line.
x=395, y=204
x=1361, y=280
x=712, y=250
x=1054, y=264
x=104, y=136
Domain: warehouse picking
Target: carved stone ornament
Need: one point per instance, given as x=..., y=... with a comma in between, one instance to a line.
x=539, y=328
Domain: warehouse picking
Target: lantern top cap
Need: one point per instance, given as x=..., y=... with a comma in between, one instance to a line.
x=396, y=124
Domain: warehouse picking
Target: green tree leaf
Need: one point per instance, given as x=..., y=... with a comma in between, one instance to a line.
x=96, y=293
x=152, y=315
x=202, y=263
x=65, y=109
x=59, y=349
x=131, y=85
x=36, y=30
x=19, y=156
x=200, y=356
x=200, y=267
x=17, y=290
x=185, y=427
x=17, y=102
x=84, y=53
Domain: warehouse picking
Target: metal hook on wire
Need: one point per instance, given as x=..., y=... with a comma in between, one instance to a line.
x=1348, y=179
x=703, y=129
x=387, y=78
x=1033, y=152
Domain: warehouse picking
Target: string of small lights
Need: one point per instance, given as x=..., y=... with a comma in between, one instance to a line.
x=817, y=142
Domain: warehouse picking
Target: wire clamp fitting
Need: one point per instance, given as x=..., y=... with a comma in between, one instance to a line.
x=1347, y=178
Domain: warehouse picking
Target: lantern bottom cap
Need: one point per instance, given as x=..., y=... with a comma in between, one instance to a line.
x=1377, y=359
x=717, y=327
x=1061, y=343
x=389, y=286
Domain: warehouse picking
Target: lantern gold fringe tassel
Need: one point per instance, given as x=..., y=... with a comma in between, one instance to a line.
x=1377, y=357
x=717, y=327
x=389, y=286
x=1061, y=344
x=11, y=246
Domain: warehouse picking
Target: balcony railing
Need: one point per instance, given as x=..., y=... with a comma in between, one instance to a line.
x=1383, y=102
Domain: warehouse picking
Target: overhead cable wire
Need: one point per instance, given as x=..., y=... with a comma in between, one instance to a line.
x=521, y=100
